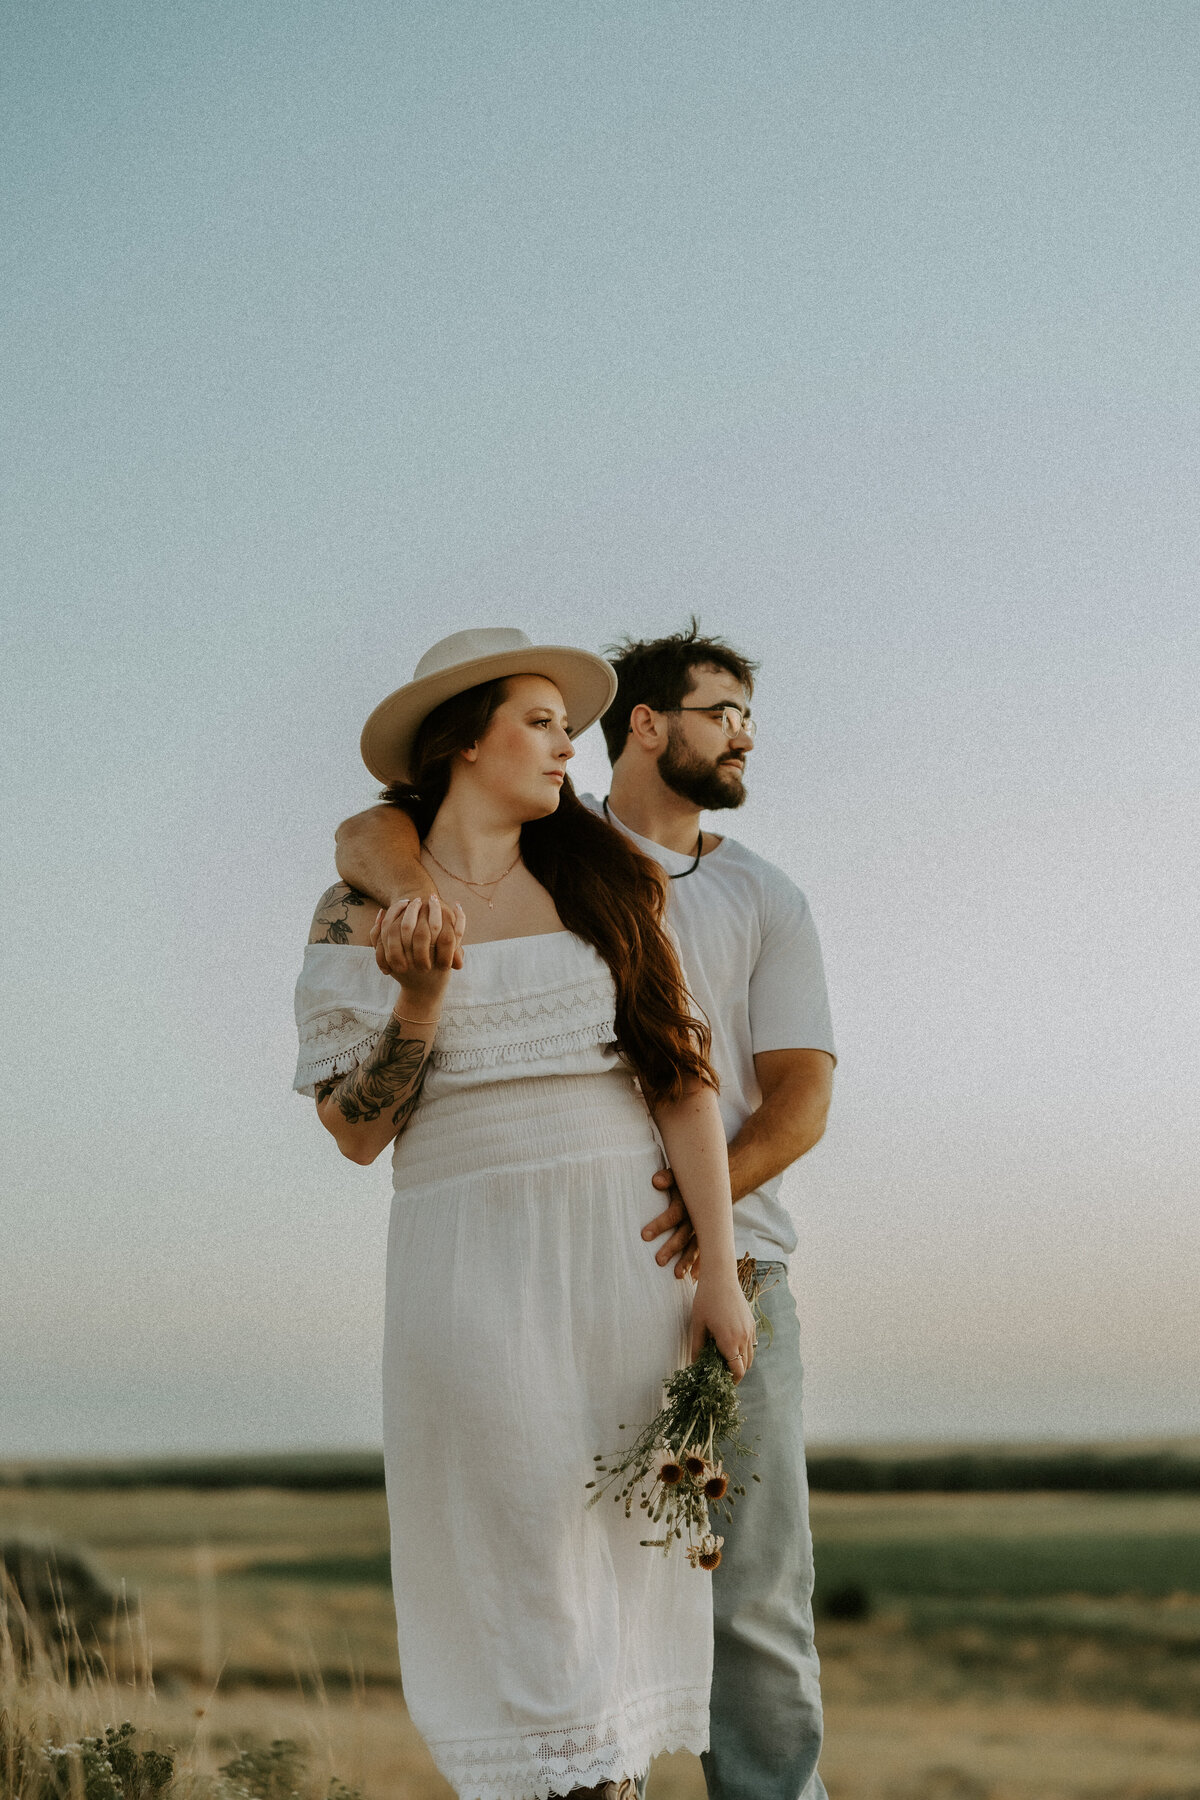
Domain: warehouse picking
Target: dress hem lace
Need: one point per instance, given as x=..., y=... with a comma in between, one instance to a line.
x=534, y=1765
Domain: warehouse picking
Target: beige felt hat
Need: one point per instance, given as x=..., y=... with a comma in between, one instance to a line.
x=586, y=682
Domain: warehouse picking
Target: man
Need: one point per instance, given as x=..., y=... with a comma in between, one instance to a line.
x=678, y=735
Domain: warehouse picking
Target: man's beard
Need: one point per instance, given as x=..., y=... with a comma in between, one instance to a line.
x=711, y=786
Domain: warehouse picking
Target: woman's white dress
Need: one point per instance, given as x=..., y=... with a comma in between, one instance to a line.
x=526, y=1321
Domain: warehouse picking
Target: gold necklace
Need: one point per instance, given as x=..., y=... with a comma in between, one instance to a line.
x=475, y=885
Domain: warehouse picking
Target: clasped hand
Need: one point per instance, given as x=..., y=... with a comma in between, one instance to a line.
x=418, y=943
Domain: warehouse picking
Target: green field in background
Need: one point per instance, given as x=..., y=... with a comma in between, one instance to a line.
x=1021, y=1568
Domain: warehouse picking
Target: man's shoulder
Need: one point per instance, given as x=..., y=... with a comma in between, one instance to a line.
x=775, y=886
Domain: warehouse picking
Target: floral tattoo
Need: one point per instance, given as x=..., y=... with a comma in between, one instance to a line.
x=391, y=1076
x=331, y=922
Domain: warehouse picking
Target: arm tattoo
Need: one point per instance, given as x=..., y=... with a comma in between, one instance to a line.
x=331, y=924
x=392, y=1076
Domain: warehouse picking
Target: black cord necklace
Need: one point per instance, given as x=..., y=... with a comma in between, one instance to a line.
x=679, y=875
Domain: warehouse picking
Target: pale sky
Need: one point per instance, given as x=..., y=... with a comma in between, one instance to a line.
x=865, y=331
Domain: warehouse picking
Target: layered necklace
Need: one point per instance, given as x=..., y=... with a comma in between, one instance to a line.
x=476, y=887
x=679, y=873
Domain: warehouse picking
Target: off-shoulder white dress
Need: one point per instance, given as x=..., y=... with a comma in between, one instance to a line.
x=541, y=1647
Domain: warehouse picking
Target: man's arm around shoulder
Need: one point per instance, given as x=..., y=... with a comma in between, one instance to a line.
x=379, y=853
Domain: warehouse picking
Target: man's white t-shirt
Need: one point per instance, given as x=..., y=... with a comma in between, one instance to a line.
x=753, y=964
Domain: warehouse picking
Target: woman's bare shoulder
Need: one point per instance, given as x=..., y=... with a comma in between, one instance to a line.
x=343, y=916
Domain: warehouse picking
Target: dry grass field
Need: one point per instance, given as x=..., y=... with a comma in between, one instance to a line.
x=1016, y=1646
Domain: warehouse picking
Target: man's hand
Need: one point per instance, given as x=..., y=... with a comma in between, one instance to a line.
x=682, y=1241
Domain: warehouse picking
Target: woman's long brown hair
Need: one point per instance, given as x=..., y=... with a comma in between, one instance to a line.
x=604, y=889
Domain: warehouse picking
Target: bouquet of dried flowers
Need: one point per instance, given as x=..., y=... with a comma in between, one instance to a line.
x=674, y=1467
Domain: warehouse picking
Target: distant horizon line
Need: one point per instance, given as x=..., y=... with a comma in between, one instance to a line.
x=1157, y=1443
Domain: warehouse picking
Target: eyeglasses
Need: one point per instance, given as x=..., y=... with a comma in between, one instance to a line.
x=734, y=722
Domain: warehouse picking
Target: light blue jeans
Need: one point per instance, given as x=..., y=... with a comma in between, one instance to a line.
x=765, y=1711
x=765, y=1708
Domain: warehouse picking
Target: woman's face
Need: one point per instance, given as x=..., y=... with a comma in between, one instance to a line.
x=522, y=757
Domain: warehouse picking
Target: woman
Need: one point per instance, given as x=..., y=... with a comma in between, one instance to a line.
x=544, y=1652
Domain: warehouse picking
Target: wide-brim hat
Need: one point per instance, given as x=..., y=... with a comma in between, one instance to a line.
x=587, y=684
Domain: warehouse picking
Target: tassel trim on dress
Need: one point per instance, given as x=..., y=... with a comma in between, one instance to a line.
x=488, y=1056
x=310, y=1075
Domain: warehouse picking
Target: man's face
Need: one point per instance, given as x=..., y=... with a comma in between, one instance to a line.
x=700, y=763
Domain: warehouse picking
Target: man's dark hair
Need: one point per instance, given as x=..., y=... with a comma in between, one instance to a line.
x=658, y=672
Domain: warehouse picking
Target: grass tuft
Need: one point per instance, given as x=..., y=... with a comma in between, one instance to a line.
x=65, y=1733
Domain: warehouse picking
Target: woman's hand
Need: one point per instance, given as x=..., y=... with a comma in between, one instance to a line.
x=721, y=1311
x=418, y=943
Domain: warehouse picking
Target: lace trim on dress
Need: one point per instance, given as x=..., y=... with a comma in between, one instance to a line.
x=526, y=1027
x=471, y=1035
x=526, y=1018
x=536, y=1764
